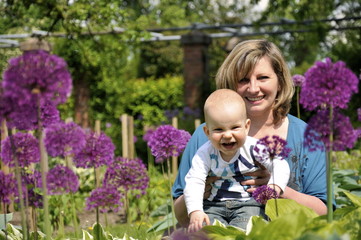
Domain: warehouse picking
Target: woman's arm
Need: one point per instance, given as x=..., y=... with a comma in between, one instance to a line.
x=309, y=201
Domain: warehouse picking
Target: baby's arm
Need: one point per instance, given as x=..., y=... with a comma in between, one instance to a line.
x=197, y=218
x=280, y=174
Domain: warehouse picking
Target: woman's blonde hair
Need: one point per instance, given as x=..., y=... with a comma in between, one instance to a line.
x=241, y=62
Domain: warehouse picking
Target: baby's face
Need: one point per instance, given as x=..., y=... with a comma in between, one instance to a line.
x=227, y=130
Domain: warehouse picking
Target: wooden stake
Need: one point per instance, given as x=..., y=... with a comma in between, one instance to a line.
x=124, y=120
x=197, y=122
x=131, y=137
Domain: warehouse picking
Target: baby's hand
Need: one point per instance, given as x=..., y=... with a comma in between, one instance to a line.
x=196, y=220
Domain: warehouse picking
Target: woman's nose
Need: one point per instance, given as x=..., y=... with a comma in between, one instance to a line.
x=253, y=85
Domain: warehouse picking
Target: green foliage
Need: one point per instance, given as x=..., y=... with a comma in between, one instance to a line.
x=295, y=221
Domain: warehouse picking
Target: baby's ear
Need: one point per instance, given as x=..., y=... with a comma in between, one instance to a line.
x=206, y=130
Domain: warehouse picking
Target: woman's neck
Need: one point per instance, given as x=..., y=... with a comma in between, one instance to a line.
x=262, y=126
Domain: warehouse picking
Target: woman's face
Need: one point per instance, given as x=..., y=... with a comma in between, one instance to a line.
x=259, y=89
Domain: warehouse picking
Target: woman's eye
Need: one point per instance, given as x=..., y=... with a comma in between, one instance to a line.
x=243, y=80
x=263, y=77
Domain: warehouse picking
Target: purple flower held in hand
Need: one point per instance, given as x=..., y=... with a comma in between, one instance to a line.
x=98, y=151
x=7, y=187
x=131, y=174
x=105, y=198
x=26, y=148
x=270, y=148
x=317, y=134
x=167, y=141
x=298, y=80
x=61, y=179
x=64, y=139
x=264, y=193
x=37, y=73
x=328, y=84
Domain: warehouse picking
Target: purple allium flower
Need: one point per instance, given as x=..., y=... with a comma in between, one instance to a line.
x=31, y=182
x=317, y=134
x=26, y=147
x=359, y=114
x=108, y=125
x=25, y=116
x=49, y=114
x=148, y=134
x=61, y=179
x=328, y=84
x=130, y=174
x=183, y=234
x=298, y=80
x=105, y=198
x=64, y=139
x=7, y=187
x=98, y=151
x=270, y=148
x=167, y=141
x=37, y=73
x=264, y=193
x=189, y=112
x=169, y=114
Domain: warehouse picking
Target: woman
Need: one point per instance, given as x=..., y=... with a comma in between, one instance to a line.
x=256, y=70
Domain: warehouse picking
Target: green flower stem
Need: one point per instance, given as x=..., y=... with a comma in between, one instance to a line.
x=170, y=191
x=298, y=102
x=97, y=208
x=20, y=190
x=329, y=171
x=44, y=167
x=75, y=220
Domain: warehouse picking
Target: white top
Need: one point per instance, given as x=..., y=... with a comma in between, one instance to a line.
x=208, y=162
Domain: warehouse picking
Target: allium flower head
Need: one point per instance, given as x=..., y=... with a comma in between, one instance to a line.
x=31, y=181
x=264, y=193
x=328, y=84
x=26, y=149
x=64, y=139
x=131, y=174
x=7, y=187
x=147, y=136
x=60, y=180
x=37, y=73
x=167, y=141
x=317, y=134
x=269, y=148
x=98, y=151
x=105, y=198
x=298, y=80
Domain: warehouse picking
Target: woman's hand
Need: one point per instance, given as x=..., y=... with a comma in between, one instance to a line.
x=262, y=177
x=208, y=186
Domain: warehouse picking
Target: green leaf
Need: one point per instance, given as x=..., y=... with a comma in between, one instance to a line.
x=255, y=225
x=356, y=200
x=87, y=235
x=276, y=208
x=13, y=232
x=97, y=228
x=288, y=226
x=163, y=224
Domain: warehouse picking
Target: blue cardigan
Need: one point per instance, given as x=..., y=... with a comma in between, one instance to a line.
x=308, y=169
